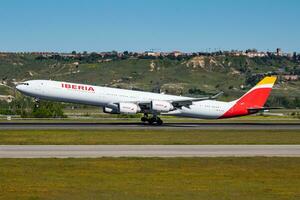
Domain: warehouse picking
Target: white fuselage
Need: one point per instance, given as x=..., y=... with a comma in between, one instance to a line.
x=102, y=96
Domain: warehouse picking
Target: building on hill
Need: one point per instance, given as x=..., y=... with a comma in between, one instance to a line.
x=237, y=53
x=290, y=77
x=176, y=53
x=256, y=54
x=152, y=53
x=249, y=53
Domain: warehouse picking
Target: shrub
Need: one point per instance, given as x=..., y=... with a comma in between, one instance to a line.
x=47, y=109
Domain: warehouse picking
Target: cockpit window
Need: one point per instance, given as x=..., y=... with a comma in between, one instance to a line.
x=23, y=84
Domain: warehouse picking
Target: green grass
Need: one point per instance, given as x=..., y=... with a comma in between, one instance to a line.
x=151, y=178
x=149, y=137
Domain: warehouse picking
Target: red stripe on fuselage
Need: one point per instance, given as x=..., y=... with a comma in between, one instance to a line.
x=254, y=99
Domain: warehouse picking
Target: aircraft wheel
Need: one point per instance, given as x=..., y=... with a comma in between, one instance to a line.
x=159, y=121
x=151, y=120
x=144, y=119
x=155, y=120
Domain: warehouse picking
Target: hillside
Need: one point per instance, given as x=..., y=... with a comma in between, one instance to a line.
x=197, y=75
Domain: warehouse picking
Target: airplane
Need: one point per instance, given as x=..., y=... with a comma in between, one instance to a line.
x=123, y=101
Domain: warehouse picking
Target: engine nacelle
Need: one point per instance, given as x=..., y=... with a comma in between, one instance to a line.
x=110, y=110
x=129, y=108
x=161, y=106
x=122, y=108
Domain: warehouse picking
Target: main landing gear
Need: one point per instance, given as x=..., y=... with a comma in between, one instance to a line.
x=152, y=120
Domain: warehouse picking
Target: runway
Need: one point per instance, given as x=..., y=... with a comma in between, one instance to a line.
x=98, y=151
x=130, y=125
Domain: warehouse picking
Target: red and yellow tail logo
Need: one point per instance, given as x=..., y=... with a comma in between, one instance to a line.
x=254, y=98
x=268, y=81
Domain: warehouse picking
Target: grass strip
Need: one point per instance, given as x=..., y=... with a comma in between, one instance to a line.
x=150, y=178
x=166, y=137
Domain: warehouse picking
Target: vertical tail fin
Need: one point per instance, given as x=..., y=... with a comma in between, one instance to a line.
x=258, y=95
x=254, y=98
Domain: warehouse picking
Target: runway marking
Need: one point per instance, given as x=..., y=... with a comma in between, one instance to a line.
x=98, y=151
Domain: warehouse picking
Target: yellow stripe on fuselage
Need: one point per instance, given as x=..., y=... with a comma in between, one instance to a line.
x=269, y=80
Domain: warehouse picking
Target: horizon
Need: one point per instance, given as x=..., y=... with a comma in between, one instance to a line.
x=108, y=51
x=135, y=26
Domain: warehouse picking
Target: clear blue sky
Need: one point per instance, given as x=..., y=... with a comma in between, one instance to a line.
x=139, y=25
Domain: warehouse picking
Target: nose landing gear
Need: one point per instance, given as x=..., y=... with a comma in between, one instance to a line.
x=37, y=102
x=152, y=120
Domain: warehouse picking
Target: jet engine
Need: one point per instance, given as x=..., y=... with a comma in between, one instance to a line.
x=129, y=108
x=161, y=106
x=110, y=110
x=122, y=108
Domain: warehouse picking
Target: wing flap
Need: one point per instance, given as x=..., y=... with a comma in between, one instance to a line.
x=188, y=102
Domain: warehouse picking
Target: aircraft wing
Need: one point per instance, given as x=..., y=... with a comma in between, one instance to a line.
x=183, y=102
x=188, y=102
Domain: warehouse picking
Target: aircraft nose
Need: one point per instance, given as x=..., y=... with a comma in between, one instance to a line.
x=18, y=87
x=21, y=87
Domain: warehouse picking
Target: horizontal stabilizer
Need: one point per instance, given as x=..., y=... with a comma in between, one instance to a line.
x=254, y=110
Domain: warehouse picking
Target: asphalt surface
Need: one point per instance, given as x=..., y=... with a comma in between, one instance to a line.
x=97, y=151
x=130, y=125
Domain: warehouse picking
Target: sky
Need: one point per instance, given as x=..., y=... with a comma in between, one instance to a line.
x=141, y=25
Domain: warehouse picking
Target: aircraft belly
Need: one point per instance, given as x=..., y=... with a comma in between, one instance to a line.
x=200, y=113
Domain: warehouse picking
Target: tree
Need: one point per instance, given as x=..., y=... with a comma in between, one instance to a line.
x=47, y=109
